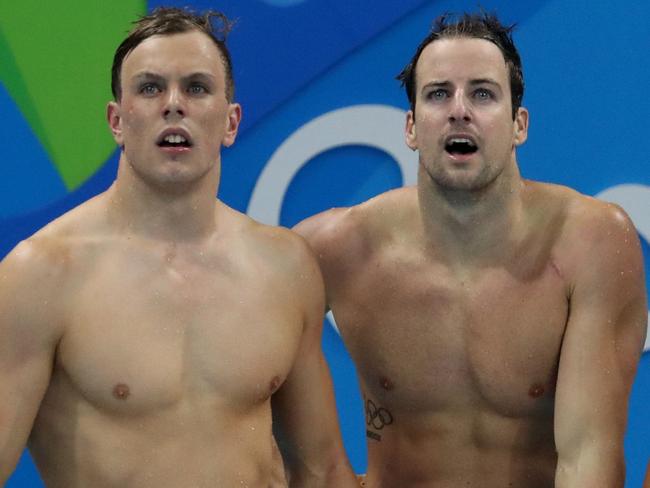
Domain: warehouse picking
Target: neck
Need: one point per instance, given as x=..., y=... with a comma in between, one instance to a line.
x=172, y=211
x=471, y=226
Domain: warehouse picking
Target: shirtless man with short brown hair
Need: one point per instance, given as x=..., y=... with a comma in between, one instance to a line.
x=145, y=334
x=496, y=323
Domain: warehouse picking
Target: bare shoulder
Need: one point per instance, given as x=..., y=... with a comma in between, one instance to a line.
x=585, y=221
x=275, y=249
x=597, y=239
x=350, y=232
x=33, y=276
x=45, y=253
x=43, y=261
x=594, y=226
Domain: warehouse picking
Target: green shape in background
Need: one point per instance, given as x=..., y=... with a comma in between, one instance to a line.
x=55, y=62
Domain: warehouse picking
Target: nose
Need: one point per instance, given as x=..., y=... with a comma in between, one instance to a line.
x=174, y=103
x=459, y=108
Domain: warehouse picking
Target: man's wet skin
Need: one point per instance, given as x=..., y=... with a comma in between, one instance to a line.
x=148, y=331
x=471, y=305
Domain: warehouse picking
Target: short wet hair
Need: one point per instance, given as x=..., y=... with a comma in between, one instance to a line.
x=164, y=21
x=481, y=25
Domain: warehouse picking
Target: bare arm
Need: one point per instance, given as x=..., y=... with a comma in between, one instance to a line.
x=304, y=407
x=27, y=346
x=601, y=348
x=332, y=236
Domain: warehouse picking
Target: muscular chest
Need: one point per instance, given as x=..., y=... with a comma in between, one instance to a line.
x=144, y=337
x=425, y=340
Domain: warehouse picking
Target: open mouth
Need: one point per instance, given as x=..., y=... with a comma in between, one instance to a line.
x=460, y=146
x=174, y=140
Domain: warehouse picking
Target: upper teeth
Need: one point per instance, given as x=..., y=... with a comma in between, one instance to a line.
x=461, y=140
x=175, y=138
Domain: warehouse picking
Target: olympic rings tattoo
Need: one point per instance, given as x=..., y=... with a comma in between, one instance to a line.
x=377, y=417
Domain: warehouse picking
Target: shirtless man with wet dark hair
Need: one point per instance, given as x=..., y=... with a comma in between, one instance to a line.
x=145, y=335
x=496, y=322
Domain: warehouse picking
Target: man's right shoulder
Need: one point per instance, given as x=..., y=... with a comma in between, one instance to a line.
x=357, y=230
x=39, y=258
x=33, y=278
x=338, y=229
x=49, y=251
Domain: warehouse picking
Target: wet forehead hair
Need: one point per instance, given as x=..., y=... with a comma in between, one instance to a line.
x=479, y=26
x=168, y=21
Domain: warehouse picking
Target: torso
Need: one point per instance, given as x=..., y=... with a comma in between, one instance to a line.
x=167, y=362
x=457, y=366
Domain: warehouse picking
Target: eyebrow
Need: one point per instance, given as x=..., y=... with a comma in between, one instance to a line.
x=200, y=75
x=474, y=82
x=150, y=76
x=146, y=76
x=436, y=84
x=485, y=81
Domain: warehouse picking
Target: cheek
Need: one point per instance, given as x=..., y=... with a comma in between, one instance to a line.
x=427, y=131
x=426, y=118
x=133, y=121
x=137, y=114
x=431, y=122
x=215, y=120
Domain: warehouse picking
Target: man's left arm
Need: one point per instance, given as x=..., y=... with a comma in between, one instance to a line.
x=601, y=348
x=304, y=408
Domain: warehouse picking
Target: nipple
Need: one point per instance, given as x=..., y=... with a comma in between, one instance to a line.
x=386, y=384
x=274, y=384
x=121, y=391
x=536, y=390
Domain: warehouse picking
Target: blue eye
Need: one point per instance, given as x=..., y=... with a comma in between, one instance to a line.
x=197, y=89
x=483, y=94
x=149, y=89
x=437, y=95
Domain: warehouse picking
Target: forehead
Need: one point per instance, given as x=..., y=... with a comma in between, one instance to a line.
x=185, y=52
x=461, y=59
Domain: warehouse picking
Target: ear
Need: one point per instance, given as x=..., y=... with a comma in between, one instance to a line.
x=520, y=126
x=114, y=119
x=232, y=124
x=409, y=131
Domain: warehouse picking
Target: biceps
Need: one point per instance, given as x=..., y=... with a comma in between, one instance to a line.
x=23, y=381
x=305, y=404
x=596, y=371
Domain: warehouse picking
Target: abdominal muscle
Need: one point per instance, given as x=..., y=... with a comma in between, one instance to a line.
x=462, y=449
